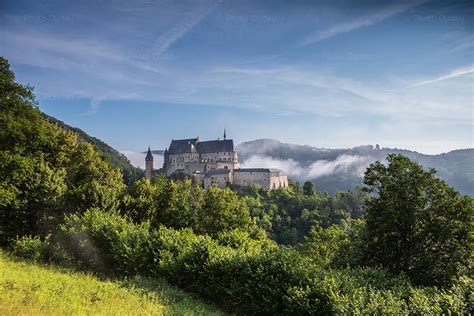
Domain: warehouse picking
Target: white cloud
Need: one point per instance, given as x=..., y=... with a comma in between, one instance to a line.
x=344, y=163
x=453, y=74
x=364, y=21
x=94, y=107
x=353, y=164
x=164, y=42
x=290, y=167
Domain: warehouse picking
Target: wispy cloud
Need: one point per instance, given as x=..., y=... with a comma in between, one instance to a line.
x=94, y=106
x=453, y=74
x=164, y=42
x=364, y=21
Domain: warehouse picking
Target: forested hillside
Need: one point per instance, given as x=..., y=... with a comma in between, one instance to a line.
x=399, y=245
x=115, y=158
x=342, y=169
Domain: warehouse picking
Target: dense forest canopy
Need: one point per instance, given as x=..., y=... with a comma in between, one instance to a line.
x=402, y=244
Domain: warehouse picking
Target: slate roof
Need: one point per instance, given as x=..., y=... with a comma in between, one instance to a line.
x=213, y=146
x=181, y=146
x=258, y=170
x=149, y=156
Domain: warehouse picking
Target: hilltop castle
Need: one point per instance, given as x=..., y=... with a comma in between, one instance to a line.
x=215, y=162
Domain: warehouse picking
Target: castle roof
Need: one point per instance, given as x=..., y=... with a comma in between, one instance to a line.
x=149, y=156
x=181, y=146
x=259, y=170
x=190, y=145
x=213, y=146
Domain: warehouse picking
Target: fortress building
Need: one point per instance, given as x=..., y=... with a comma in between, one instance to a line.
x=215, y=162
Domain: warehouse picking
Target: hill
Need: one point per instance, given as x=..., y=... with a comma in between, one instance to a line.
x=115, y=158
x=342, y=169
x=30, y=289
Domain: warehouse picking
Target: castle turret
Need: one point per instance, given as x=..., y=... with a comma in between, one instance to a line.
x=149, y=164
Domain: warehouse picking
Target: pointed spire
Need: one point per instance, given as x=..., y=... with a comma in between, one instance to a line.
x=149, y=155
x=225, y=136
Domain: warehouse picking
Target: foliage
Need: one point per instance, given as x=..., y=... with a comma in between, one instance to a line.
x=288, y=215
x=140, y=200
x=31, y=248
x=272, y=280
x=182, y=204
x=325, y=246
x=112, y=156
x=44, y=170
x=309, y=188
x=416, y=223
x=107, y=243
x=29, y=289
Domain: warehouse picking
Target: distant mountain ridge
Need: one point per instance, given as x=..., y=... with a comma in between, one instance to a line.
x=342, y=169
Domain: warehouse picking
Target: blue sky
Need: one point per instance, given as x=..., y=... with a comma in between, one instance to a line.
x=323, y=73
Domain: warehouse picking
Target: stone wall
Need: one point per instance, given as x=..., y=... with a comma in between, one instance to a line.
x=219, y=179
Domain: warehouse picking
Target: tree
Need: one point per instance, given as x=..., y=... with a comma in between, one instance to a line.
x=326, y=246
x=309, y=188
x=222, y=210
x=416, y=223
x=45, y=171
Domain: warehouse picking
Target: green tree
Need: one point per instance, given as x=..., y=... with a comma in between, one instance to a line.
x=139, y=203
x=178, y=204
x=309, y=188
x=326, y=246
x=45, y=171
x=222, y=210
x=416, y=223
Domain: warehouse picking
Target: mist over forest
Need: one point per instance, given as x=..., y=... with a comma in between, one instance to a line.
x=335, y=170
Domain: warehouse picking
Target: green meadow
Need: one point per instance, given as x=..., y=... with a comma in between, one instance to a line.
x=31, y=289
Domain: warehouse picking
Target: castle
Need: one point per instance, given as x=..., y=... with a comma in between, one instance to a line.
x=214, y=162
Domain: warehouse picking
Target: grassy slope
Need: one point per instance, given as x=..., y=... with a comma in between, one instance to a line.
x=29, y=289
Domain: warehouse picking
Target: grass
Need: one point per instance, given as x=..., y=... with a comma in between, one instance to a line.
x=31, y=289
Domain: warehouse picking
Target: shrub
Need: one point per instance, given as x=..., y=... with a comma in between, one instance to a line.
x=237, y=275
x=108, y=242
x=31, y=248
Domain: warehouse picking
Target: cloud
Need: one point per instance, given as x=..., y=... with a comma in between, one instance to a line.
x=364, y=21
x=290, y=167
x=164, y=42
x=453, y=74
x=94, y=106
x=352, y=164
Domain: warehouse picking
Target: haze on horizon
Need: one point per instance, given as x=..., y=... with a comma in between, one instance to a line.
x=322, y=73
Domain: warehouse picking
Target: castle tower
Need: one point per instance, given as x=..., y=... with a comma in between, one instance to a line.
x=149, y=164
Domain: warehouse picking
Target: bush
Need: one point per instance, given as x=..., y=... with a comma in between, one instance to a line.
x=107, y=242
x=237, y=275
x=31, y=248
